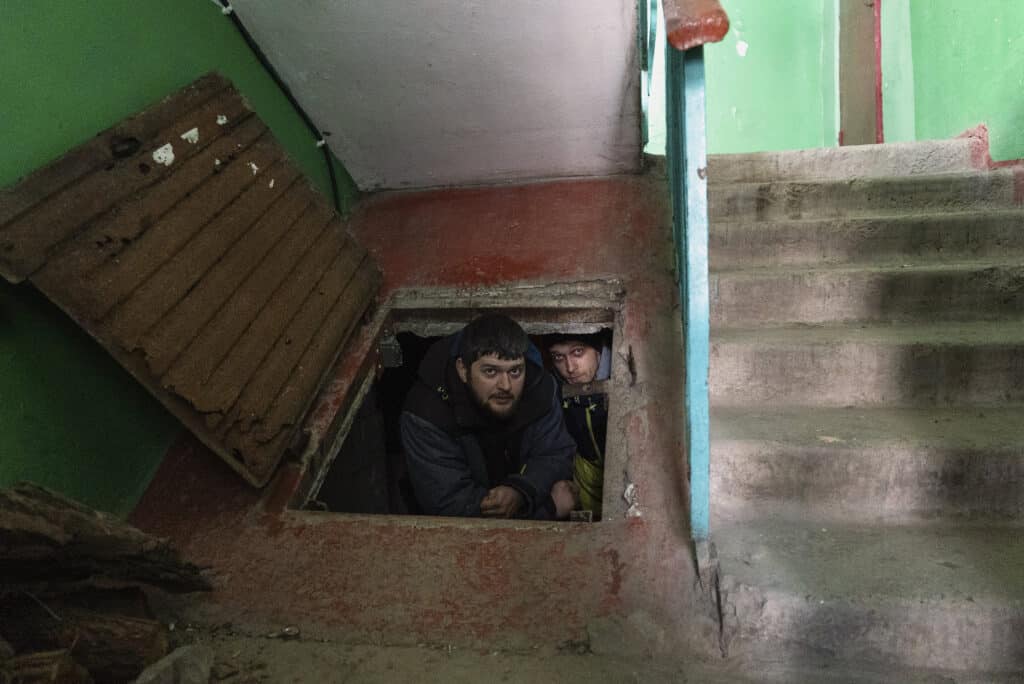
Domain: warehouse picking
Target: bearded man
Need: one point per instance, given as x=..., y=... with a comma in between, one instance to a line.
x=483, y=430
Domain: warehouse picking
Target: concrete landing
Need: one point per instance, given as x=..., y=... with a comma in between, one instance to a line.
x=939, y=596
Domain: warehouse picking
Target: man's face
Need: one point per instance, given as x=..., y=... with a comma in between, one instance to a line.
x=496, y=384
x=575, y=361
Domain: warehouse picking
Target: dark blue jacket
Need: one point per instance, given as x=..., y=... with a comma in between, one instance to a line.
x=452, y=447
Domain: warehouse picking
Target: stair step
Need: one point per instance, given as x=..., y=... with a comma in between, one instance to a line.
x=937, y=237
x=847, y=365
x=983, y=290
x=944, y=596
x=892, y=196
x=782, y=668
x=891, y=159
x=869, y=464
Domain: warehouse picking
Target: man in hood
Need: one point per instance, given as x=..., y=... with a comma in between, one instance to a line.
x=482, y=428
x=581, y=360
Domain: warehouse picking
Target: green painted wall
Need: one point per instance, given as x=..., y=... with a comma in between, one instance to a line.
x=70, y=417
x=771, y=83
x=968, y=62
x=947, y=66
x=782, y=93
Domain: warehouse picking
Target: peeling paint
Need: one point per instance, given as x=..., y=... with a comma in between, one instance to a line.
x=255, y=169
x=225, y=7
x=632, y=498
x=271, y=183
x=221, y=120
x=741, y=48
x=191, y=136
x=164, y=155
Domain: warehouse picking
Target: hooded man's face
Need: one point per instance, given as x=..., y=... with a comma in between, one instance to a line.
x=576, y=361
x=496, y=384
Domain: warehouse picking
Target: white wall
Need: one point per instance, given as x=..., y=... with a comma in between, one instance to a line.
x=420, y=93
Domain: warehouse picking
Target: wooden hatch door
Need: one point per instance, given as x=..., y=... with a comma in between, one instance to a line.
x=187, y=243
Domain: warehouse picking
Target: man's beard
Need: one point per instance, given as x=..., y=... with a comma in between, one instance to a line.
x=508, y=410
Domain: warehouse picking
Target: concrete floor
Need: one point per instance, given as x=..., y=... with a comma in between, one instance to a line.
x=829, y=431
x=627, y=584
x=257, y=658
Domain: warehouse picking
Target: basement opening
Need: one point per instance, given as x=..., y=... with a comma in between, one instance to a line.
x=363, y=470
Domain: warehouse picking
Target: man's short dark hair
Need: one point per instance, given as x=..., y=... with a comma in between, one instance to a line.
x=597, y=340
x=493, y=334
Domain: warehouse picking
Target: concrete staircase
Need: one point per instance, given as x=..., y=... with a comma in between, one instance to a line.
x=867, y=382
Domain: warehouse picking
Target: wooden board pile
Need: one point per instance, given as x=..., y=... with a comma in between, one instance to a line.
x=72, y=605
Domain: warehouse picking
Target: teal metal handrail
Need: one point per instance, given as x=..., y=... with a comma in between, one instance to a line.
x=687, y=162
x=689, y=24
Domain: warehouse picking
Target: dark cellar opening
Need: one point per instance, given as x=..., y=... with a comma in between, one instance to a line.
x=368, y=474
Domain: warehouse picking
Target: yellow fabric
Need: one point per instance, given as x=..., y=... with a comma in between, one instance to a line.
x=589, y=477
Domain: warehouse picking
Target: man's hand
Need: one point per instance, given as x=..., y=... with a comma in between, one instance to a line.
x=565, y=494
x=501, y=502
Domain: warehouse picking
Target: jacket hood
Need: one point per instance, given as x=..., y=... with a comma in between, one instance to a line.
x=604, y=367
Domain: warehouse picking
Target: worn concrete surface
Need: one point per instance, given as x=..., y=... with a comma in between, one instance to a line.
x=854, y=161
x=869, y=463
x=894, y=240
x=927, y=595
x=247, y=658
x=974, y=290
x=897, y=365
x=867, y=361
x=627, y=583
x=865, y=197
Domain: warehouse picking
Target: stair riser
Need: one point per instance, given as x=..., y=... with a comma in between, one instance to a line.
x=960, y=636
x=883, y=197
x=741, y=300
x=855, y=373
x=887, y=240
x=893, y=159
x=869, y=483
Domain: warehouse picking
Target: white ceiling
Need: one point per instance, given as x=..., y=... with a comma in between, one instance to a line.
x=422, y=93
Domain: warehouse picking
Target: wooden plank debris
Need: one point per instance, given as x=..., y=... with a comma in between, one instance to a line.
x=45, y=667
x=72, y=608
x=46, y=538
